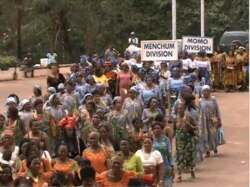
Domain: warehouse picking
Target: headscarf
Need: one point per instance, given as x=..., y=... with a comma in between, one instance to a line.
x=10, y=100
x=134, y=89
x=68, y=122
x=51, y=98
x=22, y=103
x=61, y=86
x=51, y=90
x=85, y=97
x=88, y=78
x=141, y=71
x=205, y=87
x=116, y=98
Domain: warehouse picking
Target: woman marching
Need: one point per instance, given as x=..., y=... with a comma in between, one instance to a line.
x=185, y=147
x=163, y=145
x=174, y=86
x=209, y=121
x=230, y=76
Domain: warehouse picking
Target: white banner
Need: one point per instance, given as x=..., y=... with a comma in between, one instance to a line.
x=153, y=50
x=194, y=44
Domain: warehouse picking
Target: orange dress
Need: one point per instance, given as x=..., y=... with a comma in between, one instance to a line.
x=98, y=160
x=69, y=168
x=103, y=181
x=45, y=169
x=41, y=181
x=65, y=167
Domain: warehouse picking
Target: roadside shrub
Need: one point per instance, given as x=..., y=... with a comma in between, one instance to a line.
x=6, y=62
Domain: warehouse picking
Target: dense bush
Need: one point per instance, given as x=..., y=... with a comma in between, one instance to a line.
x=6, y=62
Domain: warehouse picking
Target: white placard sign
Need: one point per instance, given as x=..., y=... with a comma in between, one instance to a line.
x=194, y=44
x=153, y=50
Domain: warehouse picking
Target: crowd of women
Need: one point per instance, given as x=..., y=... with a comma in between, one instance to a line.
x=105, y=123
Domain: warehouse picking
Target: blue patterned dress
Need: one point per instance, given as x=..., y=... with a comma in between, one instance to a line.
x=164, y=147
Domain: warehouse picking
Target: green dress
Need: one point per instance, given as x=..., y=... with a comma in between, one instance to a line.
x=133, y=164
x=185, y=145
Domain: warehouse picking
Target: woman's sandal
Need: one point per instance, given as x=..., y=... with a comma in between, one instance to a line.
x=179, y=179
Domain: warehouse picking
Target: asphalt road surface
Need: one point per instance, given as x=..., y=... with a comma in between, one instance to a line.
x=230, y=168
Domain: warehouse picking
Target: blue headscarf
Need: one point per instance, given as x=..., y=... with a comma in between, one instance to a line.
x=141, y=71
x=88, y=78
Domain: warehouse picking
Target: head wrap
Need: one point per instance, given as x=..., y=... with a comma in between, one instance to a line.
x=61, y=86
x=134, y=89
x=88, y=78
x=68, y=122
x=85, y=97
x=51, y=98
x=84, y=59
x=52, y=90
x=10, y=100
x=205, y=87
x=22, y=103
x=117, y=97
x=141, y=71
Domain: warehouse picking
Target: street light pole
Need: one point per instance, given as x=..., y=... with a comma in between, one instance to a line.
x=173, y=19
x=202, y=18
x=19, y=8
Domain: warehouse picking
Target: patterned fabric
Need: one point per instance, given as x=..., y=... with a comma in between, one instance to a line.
x=185, y=146
x=174, y=86
x=164, y=147
x=134, y=107
x=230, y=75
x=208, y=109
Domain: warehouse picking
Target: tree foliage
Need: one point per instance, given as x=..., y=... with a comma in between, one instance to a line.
x=75, y=27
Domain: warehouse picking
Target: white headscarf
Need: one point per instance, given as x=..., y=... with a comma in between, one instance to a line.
x=22, y=103
x=205, y=87
x=10, y=100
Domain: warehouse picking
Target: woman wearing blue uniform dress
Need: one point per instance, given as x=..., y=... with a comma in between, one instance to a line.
x=163, y=145
x=175, y=83
x=150, y=90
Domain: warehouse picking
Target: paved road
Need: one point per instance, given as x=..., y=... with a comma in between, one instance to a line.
x=228, y=169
